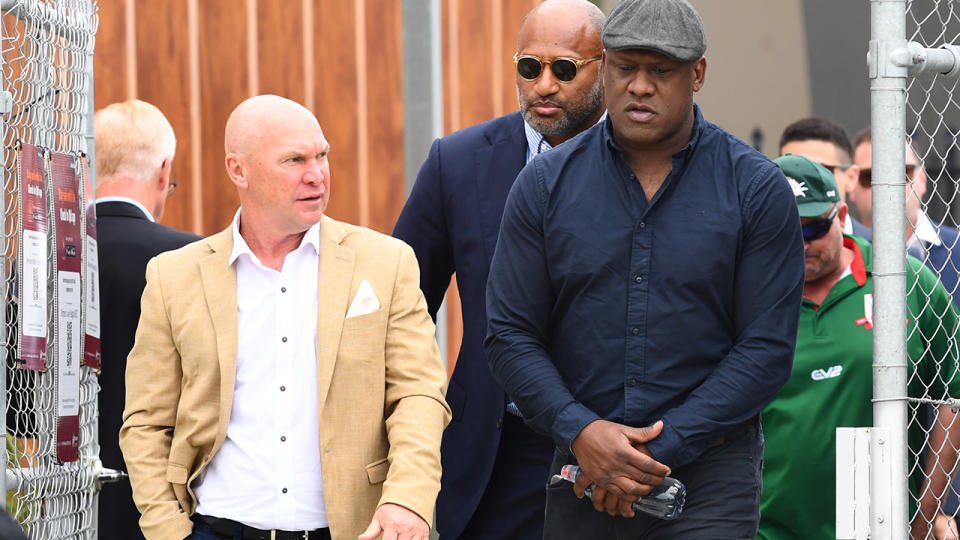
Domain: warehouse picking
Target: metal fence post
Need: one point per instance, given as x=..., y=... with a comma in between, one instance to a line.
x=422, y=100
x=889, y=486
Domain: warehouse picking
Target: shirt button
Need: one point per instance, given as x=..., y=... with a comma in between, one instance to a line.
x=638, y=279
x=284, y=339
x=636, y=331
x=283, y=388
x=283, y=438
x=643, y=224
x=284, y=490
x=632, y=382
x=283, y=289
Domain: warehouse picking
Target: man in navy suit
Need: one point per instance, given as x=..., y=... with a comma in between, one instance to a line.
x=934, y=244
x=135, y=146
x=494, y=467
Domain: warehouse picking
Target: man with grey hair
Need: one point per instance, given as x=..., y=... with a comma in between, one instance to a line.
x=494, y=466
x=644, y=295
x=135, y=147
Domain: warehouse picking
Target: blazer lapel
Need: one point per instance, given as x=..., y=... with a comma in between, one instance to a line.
x=220, y=290
x=336, y=275
x=497, y=166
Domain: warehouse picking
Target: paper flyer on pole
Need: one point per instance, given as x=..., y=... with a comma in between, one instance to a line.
x=91, y=284
x=32, y=260
x=69, y=242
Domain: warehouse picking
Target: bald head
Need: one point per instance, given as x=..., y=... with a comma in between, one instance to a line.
x=261, y=117
x=563, y=17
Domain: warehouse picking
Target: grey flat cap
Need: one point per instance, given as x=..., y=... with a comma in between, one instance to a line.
x=669, y=27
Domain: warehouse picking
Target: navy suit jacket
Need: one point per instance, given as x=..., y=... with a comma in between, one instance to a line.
x=862, y=230
x=126, y=240
x=944, y=260
x=452, y=221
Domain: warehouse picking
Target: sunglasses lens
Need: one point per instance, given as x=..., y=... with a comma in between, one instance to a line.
x=817, y=229
x=529, y=68
x=564, y=69
x=866, y=176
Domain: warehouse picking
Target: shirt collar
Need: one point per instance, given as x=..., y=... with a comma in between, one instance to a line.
x=127, y=200
x=858, y=266
x=240, y=247
x=698, y=125
x=537, y=144
x=924, y=232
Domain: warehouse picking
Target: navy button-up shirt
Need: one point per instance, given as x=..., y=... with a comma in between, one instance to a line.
x=684, y=308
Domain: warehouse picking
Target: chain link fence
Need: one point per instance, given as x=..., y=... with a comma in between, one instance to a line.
x=47, y=48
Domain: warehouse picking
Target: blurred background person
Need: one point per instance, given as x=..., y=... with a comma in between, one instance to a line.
x=825, y=142
x=134, y=161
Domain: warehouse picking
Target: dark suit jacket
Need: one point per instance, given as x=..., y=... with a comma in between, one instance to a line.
x=452, y=220
x=126, y=240
x=862, y=230
x=944, y=260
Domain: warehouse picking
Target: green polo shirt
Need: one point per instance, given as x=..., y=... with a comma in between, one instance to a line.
x=832, y=386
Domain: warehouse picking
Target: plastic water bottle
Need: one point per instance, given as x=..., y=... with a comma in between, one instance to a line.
x=665, y=501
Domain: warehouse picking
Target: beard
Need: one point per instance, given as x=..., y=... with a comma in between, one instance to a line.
x=572, y=118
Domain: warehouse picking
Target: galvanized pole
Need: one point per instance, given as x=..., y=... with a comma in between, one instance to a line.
x=422, y=100
x=889, y=491
x=8, y=285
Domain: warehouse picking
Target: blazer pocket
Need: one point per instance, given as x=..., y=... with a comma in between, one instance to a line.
x=177, y=476
x=377, y=471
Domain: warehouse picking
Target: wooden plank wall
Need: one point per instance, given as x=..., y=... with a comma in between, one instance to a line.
x=197, y=59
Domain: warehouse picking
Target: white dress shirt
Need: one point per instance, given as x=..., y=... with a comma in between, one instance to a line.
x=924, y=235
x=267, y=473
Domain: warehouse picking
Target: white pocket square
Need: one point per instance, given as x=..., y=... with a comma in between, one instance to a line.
x=364, y=302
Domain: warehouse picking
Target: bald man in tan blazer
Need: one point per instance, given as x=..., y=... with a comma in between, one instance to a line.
x=380, y=380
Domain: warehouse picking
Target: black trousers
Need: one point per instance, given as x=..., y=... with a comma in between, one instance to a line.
x=512, y=509
x=723, y=498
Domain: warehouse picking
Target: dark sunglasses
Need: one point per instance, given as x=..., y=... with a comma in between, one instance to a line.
x=530, y=67
x=866, y=175
x=833, y=168
x=819, y=228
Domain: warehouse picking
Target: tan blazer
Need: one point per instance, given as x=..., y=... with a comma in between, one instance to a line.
x=380, y=381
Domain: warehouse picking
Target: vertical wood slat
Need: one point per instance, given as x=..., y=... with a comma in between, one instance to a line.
x=363, y=143
x=196, y=131
x=223, y=85
x=130, y=39
x=335, y=87
x=160, y=68
x=280, y=52
x=109, y=59
x=384, y=67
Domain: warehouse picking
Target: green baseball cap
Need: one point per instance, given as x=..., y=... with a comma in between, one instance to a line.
x=813, y=185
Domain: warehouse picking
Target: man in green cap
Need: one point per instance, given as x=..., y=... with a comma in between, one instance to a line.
x=831, y=382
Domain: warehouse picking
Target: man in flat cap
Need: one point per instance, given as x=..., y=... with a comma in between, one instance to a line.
x=644, y=295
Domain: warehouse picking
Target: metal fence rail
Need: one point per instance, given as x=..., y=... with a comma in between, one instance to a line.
x=47, y=48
